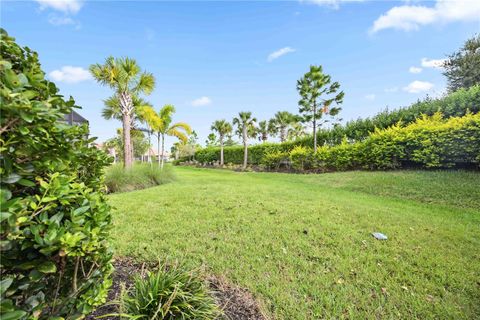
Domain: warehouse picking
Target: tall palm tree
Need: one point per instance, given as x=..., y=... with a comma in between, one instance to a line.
x=263, y=131
x=127, y=80
x=223, y=128
x=147, y=116
x=246, y=129
x=280, y=123
x=162, y=126
x=296, y=131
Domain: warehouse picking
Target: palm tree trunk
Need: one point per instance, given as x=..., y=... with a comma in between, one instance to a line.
x=158, y=148
x=149, y=155
x=221, y=150
x=314, y=127
x=245, y=148
x=282, y=134
x=163, y=149
x=127, y=145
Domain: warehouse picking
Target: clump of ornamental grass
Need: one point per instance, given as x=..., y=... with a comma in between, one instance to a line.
x=172, y=292
x=139, y=176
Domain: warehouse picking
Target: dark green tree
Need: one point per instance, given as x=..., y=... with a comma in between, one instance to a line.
x=462, y=68
x=318, y=94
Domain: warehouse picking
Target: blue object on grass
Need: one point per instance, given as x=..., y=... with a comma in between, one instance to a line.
x=379, y=236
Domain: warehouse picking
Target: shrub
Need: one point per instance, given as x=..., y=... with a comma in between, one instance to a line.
x=139, y=176
x=170, y=293
x=55, y=258
x=301, y=158
x=274, y=159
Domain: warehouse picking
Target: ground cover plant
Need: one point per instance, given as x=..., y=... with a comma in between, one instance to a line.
x=139, y=176
x=55, y=255
x=302, y=244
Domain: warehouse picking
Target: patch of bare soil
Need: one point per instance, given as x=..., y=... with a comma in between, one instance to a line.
x=236, y=303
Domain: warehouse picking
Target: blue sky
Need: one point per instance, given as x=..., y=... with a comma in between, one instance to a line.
x=213, y=59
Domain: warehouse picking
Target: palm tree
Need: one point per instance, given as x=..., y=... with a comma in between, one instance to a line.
x=263, y=131
x=246, y=129
x=126, y=78
x=162, y=126
x=280, y=123
x=296, y=131
x=147, y=116
x=223, y=128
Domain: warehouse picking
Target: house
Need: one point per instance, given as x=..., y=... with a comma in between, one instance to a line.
x=74, y=118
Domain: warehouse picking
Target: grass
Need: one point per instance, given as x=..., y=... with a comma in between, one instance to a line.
x=140, y=176
x=302, y=245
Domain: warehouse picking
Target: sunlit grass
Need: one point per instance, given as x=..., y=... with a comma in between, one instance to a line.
x=302, y=244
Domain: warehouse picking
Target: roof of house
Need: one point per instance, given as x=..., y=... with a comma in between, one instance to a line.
x=75, y=118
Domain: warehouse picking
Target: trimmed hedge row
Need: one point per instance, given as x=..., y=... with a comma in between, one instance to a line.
x=429, y=142
x=454, y=105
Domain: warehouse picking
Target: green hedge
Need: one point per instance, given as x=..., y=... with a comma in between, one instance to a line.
x=429, y=142
x=55, y=256
x=454, y=105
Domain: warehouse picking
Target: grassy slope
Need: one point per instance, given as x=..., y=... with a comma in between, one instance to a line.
x=302, y=243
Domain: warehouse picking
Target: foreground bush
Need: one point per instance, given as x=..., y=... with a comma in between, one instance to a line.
x=139, y=176
x=55, y=258
x=170, y=293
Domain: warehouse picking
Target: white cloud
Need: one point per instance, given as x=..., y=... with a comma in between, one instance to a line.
x=392, y=89
x=418, y=86
x=433, y=63
x=70, y=74
x=408, y=17
x=370, y=97
x=66, y=6
x=60, y=21
x=415, y=70
x=202, y=101
x=335, y=4
x=277, y=54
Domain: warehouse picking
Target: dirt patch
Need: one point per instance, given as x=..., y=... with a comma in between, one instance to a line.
x=236, y=303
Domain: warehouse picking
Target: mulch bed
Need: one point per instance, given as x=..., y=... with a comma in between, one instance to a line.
x=236, y=303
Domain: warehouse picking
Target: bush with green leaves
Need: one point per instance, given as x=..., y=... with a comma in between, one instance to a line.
x=55, y=256
x=170, y=293
x=274, y=159
x=301, y=158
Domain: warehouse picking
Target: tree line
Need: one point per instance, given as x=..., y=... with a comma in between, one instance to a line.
x=319, y=103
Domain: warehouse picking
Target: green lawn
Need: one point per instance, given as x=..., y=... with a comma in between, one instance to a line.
x=302, y=245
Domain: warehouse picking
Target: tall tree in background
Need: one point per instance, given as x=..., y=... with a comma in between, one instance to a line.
x=246, y=129
x=280, y=123
x=162, y=126
x=126, y=78
x=148, y=117
x=317, y=95
x=222, y=127
x=296, y=131
x=462, y=68
x=263, y=131
x=211, y=140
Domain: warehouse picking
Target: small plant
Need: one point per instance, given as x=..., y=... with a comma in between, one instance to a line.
x=170, y=293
